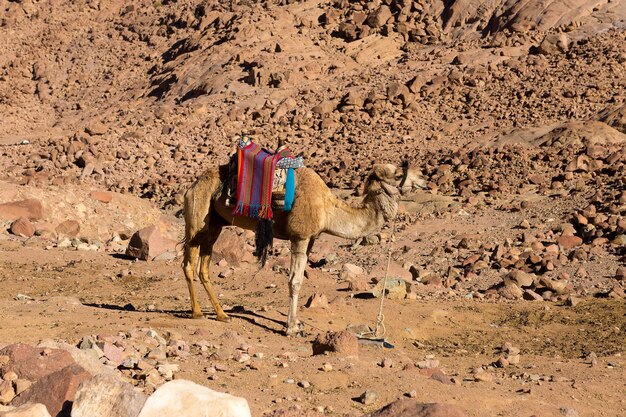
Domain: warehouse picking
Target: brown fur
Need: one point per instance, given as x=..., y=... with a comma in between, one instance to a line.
x=315, y=210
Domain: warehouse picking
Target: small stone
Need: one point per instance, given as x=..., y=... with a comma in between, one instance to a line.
x=102, y=196
x=483, y=376
x=317, y=301
x=304, y=384
x=525, y=224
x=326, y=367
x=368, y=397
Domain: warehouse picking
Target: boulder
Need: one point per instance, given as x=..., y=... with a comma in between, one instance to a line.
x=32, y=209
x=69, y=228
x=149, y=243
x=343, y=342
x=107, y=396
x=27, y=410
x=379, y=17
x=22, y=227
x=413, y=408
x=56, y=391
x=230, y=246
x=185, y=398
x=34, y=363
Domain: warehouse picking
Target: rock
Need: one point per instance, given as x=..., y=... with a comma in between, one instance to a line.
x=620, y=273
x=350, y=271
x=7, y=393
x=573, y=301
x=343, y=342
x=69, y=228
x=230, y=246
x=102, y=196
x=27, y=410
x=395, y=289
x=96, y=128
x=554, y=43
x=83, y=358
x=107, y=396
x=510, y=291
x=317, y=301
x=568, y=241
x=379, y=17
x=56, y=390
x=22, y=227
x=34, y=363
x=413, y=408
x=568, y=412
x=358, y=284
x=368, y=397
x=185, y=398
x=113, y=353
x=148, y=243
x=520, y=278
x=558, y=286
x=31, y=209
x=483, y=376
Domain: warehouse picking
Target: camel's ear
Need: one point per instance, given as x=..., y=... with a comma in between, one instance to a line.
x=381, y=172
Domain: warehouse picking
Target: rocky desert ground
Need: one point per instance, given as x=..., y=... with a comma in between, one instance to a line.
x=506, y=274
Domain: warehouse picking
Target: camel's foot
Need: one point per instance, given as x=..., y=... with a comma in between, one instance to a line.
x=223, y=318
x=296, y=330
x=197, y=315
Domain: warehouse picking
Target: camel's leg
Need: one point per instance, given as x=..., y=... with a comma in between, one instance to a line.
x=309, y=247
x=206, y=251
x=296, y=276
x=189, y=267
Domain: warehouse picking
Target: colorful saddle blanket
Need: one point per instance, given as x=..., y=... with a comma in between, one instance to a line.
x=258, y=179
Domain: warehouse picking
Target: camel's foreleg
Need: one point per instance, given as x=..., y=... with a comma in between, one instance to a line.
x=206, y=251
x=296, y=277
x=189, y=267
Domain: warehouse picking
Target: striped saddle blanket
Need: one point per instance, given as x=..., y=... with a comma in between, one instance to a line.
x=264, y=181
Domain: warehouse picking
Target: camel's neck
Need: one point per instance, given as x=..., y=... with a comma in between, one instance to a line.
x=352, y=223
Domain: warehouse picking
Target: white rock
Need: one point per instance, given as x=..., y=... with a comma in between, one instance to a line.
x=27, y=410
x=185, y=398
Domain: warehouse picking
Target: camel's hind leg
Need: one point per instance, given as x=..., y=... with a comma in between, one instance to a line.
x=206, y=251
x=190, y=261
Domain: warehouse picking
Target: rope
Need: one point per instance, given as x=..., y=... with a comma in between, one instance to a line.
x=380, y=329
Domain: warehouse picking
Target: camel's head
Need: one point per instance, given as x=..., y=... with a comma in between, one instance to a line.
x=394, y=180
x=381, y=188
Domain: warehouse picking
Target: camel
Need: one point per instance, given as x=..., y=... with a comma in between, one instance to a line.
x=315, y=211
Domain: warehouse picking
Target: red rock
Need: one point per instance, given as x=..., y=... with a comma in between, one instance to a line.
x=413, y=408
x=317, y=301
x=22, y=227
x=31, y=209
x=569, y=242
x=148, y=243
x=343, y=342
x=113, y=353
x=56, y=391
x=230, y=246
x=102, y=196
x=34, y=363
x=69, y=228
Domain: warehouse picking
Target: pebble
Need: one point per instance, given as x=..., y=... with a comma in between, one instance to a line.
x=368, y=397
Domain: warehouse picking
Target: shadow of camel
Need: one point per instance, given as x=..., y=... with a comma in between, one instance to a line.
x=238, y=312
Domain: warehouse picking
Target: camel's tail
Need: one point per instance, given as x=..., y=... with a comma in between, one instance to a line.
x=263, y=240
